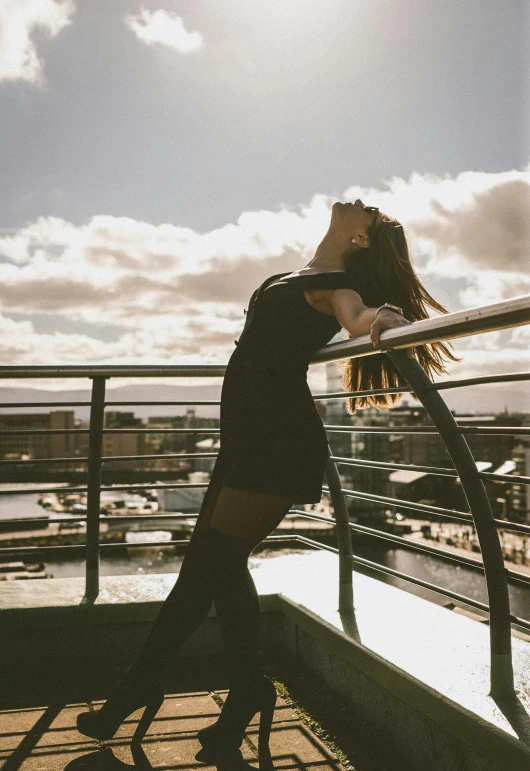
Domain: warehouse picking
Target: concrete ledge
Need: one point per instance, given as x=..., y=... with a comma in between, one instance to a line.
x=61, y=601
x=428, y=729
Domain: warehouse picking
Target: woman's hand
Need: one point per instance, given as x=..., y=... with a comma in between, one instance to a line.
x=388, y=319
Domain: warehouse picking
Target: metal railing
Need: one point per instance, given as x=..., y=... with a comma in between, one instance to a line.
x=509, y=313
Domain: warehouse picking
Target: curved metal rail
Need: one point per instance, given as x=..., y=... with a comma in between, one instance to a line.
x=501, y=672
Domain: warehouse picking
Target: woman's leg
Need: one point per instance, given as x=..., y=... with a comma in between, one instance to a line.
x=234, y=526
x=230, y=524
x=186, y=606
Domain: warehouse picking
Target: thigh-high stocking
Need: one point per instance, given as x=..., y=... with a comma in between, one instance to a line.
x=231, y=523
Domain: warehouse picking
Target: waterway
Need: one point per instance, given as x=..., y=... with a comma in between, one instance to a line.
x=138, y=560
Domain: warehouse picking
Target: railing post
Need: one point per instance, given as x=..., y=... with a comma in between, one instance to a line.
x=344, y=539
x=501, y=671
x=95, y=443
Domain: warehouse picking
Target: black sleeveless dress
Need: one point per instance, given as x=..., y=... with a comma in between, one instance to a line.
x=272, y=437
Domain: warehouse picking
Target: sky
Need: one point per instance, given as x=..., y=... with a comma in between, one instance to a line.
x=160, y=159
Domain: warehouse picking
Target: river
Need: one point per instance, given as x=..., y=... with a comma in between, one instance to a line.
x=137, y=560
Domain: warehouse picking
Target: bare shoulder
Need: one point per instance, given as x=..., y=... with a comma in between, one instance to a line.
x=330, y=301
x=339, y=295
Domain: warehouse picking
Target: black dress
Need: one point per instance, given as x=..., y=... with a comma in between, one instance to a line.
x=272, y=437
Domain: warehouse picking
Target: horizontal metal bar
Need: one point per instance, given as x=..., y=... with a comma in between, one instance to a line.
x=143, y=543
x=146, y=517
x=494, y=430
x=488, y=318
x=519, y=578
x=81, y=547
x=520, y=622
x=448, y=472
x=370, y=392
x=165, y=456
x=462, y=383
x=511, y=377
x=41, y=550
x=73, y=548
x=113, y=370
x=7, y=405
x=19, y=462
x=111, y=488
x=204, y=430
x=104, y=518
x=503, y=430
x=182, y=402
x=32, y=431
x=505, y=524
x=383, y=429
x=429, y=470
x=312, y=515
x=450, y=513
x=303, y=539
x=514, y=479
x=33, y=490
x=155, y=516
x=179, y=403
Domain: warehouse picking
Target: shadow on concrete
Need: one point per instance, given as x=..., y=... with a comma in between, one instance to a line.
x=515, y=712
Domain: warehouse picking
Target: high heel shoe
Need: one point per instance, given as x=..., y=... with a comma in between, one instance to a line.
x=104, y=723
x=226, y=735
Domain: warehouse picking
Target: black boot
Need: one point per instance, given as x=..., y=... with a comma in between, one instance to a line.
x=242, y=703
x=182, y=613
x=237, y=605
x=126, y=698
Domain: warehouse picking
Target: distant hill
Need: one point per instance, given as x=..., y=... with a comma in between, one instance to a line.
x=140, y=392
x=515, y=397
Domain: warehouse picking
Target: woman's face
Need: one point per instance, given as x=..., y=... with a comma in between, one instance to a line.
x=352, y=220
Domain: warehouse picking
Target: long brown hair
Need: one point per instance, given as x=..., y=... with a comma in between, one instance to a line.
x=383, y=273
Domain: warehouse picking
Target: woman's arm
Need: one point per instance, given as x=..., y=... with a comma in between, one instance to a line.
x=357, y=319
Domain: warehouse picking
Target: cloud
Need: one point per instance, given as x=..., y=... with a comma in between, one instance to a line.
x=475, y=219
x=177, y=296
x=473, y=228
x=490, y=286
x=164, y=28
x=491, y=232
x=19, y=20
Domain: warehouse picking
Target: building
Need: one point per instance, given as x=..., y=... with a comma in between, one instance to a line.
x=37, y=445
x=123, y=444
x=181, y=442
x=517, y=496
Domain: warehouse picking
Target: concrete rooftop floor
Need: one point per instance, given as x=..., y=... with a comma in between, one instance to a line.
x=45, y=738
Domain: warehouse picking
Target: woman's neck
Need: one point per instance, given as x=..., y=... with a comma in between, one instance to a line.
x=331, y=254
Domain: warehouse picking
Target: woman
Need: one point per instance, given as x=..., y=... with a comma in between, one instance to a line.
x=273, y=453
